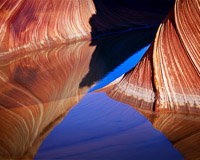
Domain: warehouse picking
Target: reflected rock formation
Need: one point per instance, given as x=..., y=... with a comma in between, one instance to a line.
x=165, y=85
x=28, y=25
x=36, y=92
x=182, y=130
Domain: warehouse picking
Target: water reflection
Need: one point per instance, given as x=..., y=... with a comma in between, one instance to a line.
x=183, y=131
x=36, y=92
x=102, y=128
x=38, y=89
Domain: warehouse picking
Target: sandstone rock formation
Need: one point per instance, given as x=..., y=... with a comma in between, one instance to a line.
x=167, y=79
x=27, y=25
x=38, y=87
x=165, y=85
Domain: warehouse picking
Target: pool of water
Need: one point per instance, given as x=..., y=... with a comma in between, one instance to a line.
x=99, y=127
x=55, y=85
x=102, y=128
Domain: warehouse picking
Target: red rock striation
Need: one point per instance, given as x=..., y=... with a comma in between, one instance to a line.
x=135, y=87
x=165, y=85
x=35, y=84
x=28, y=25
x=167, y=79
x=40, y=80
x=35, y=24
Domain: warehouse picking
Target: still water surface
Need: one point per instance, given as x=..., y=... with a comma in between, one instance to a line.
x=99, y=127
x=45, y=87
x=102, y=128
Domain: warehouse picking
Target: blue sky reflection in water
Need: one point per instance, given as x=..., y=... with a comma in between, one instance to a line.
x=102, y=128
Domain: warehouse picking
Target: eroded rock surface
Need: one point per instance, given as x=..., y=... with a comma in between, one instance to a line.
x=27, y=25
x=167, y=77
x=165, y=85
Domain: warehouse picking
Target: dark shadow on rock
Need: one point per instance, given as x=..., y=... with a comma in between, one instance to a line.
x=115, y=16
x=118, y=15
x=112, y=50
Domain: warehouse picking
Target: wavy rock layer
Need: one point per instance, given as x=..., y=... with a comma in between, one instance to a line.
x=27, y=25
x=34, y=24
x=36, y=92
x=135, y=87
x=167, y=79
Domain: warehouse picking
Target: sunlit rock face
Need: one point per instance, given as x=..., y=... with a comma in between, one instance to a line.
x=36, y=92
x=38, y=87
x=135, y=87
x=34, y=24
x=27, y=25
x=167, y=79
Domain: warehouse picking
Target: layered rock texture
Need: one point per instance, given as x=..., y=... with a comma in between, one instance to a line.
x=167, y=78
x=165, y=85
x=38, y=87
x=27, y=25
